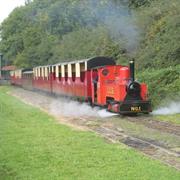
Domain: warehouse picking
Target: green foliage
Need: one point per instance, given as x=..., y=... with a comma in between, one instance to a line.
x=11, y=34
x=164, y=84
x=86, y=43
x=34, y=146
x=161, y=23
x=139, y=3
x=47, y=31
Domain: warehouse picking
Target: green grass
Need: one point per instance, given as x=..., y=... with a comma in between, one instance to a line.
x=175, y=118
x=34, y=146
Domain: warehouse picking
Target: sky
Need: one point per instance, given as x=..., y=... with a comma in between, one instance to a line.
x=6, y=7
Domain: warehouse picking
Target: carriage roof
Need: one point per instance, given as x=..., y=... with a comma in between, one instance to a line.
x=90, y=63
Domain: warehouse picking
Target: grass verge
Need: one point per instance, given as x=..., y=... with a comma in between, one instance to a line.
x=175, y=118
x=34, y=146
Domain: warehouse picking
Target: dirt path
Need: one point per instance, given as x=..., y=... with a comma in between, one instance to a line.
x=159, y=140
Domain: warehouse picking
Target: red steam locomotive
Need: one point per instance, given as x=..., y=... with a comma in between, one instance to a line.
x=96, y=80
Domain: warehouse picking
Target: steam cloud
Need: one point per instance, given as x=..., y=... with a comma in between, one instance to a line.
x=71, y=108
x=120, y=22
x=60, y=106
x=172, y=108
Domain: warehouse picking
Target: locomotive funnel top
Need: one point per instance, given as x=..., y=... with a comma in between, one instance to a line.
x=131, y=67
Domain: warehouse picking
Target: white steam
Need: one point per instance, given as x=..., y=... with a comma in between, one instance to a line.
x=105, y=113
x=69, y=108
x=119, y=20
x=172, y=108
x=120, y=23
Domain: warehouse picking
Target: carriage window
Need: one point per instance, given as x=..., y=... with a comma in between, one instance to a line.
x=44, y=72
x=54, y=73
x=38, y=72
x=82, y=72
x=48, y=73
x=40, y=69
x=66, y=72
x=73, y=72
x=54, y=69
x=34, y=73
x=60, y=74
x=82, y=76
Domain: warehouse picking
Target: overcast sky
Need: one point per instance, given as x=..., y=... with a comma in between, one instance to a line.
x=6, y=7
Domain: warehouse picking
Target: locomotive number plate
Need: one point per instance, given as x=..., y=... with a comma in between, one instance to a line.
x=136, y=108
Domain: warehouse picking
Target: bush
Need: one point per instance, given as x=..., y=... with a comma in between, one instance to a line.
x=161, y=23
x=164, y=84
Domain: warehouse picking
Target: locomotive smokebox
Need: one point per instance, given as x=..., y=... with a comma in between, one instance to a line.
x=131, y=67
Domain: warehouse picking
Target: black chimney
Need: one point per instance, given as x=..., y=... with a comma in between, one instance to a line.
x=131, y=67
